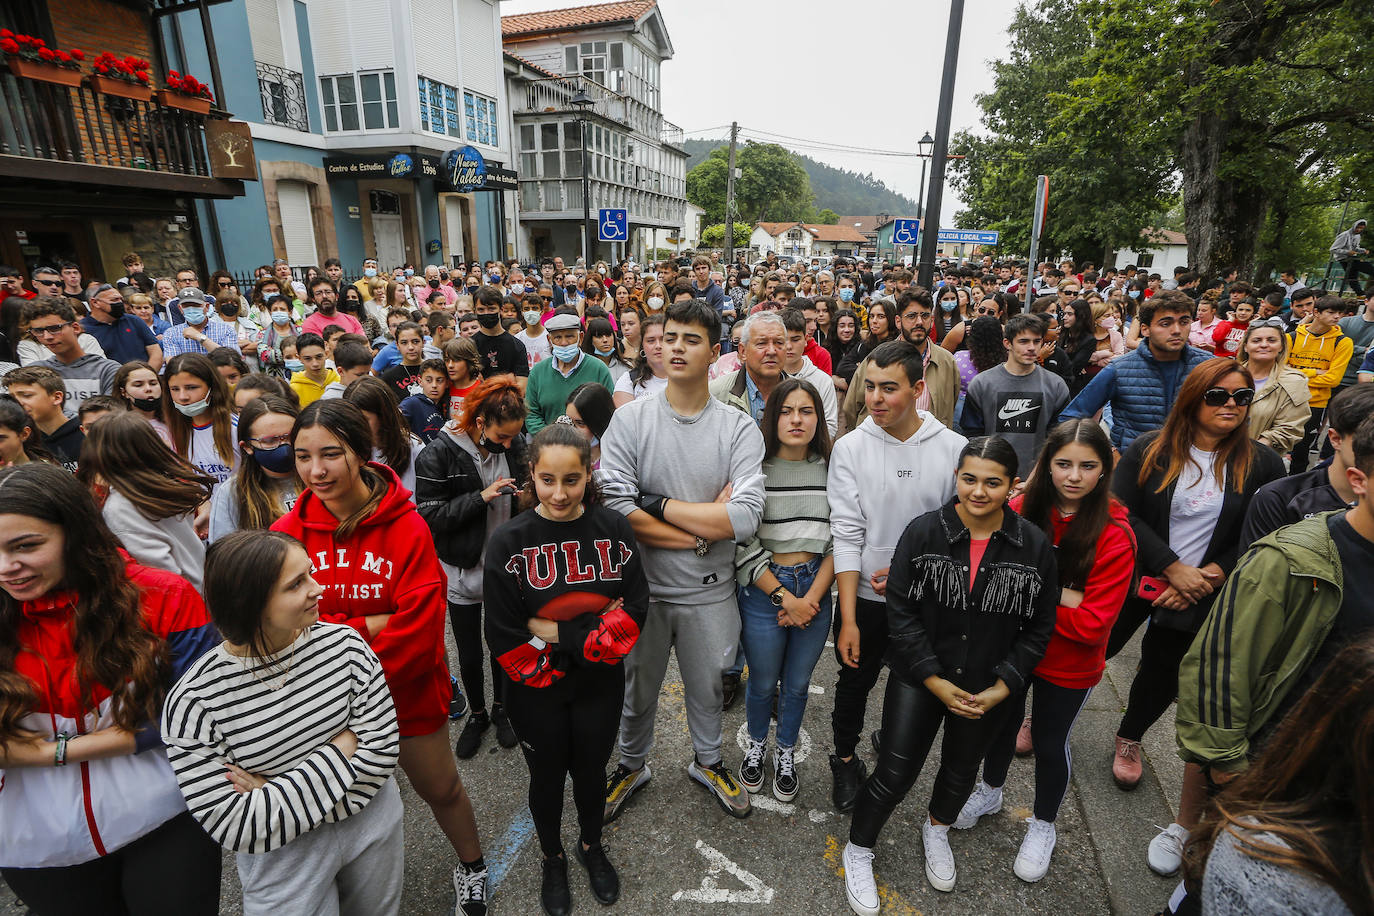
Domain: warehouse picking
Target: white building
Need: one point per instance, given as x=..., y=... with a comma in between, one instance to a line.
x=805, y=240
x=1159, y=252
x=609, y=57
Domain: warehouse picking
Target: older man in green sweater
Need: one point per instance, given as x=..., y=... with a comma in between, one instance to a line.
x=552, y=380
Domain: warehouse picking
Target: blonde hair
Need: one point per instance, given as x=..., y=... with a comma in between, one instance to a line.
x=140, y=299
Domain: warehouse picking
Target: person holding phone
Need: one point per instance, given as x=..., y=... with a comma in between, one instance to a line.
x=1187, y=488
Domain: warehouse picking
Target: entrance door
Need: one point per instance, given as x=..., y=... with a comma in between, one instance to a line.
x=388, y=230
x=28, y=243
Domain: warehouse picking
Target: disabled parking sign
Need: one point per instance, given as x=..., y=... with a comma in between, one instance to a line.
x=612, y=225
x=905, y=231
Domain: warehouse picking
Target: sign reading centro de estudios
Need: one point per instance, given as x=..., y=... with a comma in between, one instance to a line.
x=462, y=169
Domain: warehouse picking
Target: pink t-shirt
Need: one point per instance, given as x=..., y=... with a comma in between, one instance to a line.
x=976, y=549
x=317, y=322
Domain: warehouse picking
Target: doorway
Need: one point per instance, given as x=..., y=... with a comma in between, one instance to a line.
x=29, y=243
x=388, y=229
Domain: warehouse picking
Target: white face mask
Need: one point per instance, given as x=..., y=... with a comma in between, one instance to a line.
x=655, y=302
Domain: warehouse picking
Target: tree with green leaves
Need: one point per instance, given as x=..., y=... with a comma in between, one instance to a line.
x=827, y=217
x=772, y=185
x=714, y=236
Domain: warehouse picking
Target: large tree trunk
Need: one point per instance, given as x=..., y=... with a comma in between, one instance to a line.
x=1223, y=215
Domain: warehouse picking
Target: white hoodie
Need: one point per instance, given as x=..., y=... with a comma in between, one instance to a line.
x=878, y=484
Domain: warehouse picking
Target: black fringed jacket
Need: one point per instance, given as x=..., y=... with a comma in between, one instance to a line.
x=1000, y=629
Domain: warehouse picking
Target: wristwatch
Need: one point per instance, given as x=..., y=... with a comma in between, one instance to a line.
x=775, y=596
x=703, y=546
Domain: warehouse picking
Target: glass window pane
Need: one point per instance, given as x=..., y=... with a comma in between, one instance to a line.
x=574, y=190
x=393, y=116
x=327, y=90
x=331, y=118
x=526, y=136
x=551, y=169
x=548, y=136
x=529, y=165
x=572, y=164
x=347, y=91
x=372, y=87
x=451, y=110
x=553, y=195
x=586, y=47
x=600, y=47
x=570, y=59
x=373, y=118
x=348, y=116
x=529, y=195
x=390, y=80
x=572, y=135
x=424, y=103
x=617, y=54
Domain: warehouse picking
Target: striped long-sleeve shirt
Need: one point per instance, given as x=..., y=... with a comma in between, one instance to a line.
x=796, y=516
x=228, y=709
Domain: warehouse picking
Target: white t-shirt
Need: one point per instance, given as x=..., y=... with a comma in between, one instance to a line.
x=652, y=386
x=1196, y=507
x=206, y=458
x=536, y=348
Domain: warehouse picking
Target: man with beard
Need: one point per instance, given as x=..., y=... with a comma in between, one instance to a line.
x=915, y=316
x=326, y=298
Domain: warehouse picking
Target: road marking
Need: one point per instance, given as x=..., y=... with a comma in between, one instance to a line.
x=800, y=751
x=893, y=903
x=711, y=892
x=503, y=855
x=769, y=803
x=816, y=816
x=813, y=688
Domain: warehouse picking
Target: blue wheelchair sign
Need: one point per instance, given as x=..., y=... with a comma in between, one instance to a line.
x=612, y=226
x=905, y=231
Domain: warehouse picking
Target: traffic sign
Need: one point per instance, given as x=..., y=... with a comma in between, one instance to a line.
x=967, y=236
x=612, y=225
x=905, y=231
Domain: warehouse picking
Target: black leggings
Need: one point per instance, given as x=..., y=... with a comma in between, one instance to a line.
x=467, y=633
x=1156, y=680
x=173, y=871
x=1302, y=452
x=854, y=684
x=1054, y=709
x=567, y=728
x=911, y=717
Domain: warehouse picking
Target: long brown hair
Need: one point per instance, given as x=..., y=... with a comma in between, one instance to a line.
x=772, y=410
x=374, y=396
x=113, y=647
x=221, y=410
x=1312, y=787
x=1172, y=448
x=346, y=422
x=255, y=492
x=125, y=453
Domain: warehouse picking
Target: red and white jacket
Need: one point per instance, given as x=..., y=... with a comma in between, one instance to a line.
x=57, y=816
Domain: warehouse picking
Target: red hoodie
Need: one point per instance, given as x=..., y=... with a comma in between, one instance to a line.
x=1077, y=653
x=387, y=566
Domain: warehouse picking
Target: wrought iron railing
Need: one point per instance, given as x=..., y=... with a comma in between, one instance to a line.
x=670, y=133
x=556, y=93
x=283, y=96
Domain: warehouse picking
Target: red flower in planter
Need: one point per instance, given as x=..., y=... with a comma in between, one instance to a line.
x=9, y=46
x=28, y=48
x=186, y=84
x=78, y=54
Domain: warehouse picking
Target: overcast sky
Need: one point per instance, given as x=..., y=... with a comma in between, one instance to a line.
x=857, y=73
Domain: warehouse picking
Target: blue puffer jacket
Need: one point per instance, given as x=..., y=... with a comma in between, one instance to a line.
x=1140, y=388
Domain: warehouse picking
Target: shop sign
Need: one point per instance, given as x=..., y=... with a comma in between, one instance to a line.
x=383, y=165
x=465, y=169
x=400, y=166
x=501, y=180
x=433, y=246
x=229, y=145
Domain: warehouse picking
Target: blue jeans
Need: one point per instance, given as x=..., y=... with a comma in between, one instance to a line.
x=778, y=653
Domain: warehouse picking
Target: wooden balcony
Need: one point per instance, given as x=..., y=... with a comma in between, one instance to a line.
x=77, y=135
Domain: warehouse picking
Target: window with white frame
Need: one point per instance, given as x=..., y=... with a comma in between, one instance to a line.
x=363, y=101
x=439, y=107
x=479, y=112
x=600, y=61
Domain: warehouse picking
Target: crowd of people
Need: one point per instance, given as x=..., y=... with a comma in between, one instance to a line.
x=234, y=522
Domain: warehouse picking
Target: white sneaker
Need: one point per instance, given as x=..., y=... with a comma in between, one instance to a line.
x=1034, y=858
x=984, y=800
x=1166, y=850
x=939, y=857
x=859, y=885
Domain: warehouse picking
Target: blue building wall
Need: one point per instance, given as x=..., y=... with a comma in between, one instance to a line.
x=312, y=91
x=347, y=228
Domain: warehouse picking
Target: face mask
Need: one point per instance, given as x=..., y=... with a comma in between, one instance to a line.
x=281, y=319
x=269, y=297
x=601, y=352
x=1134, y=294
x=846, y=295
x=489, y=320
x=433, y=284
x=472, y=289
x=229, y=310
x=948, y=305
x=531, y=318
x=1109, y=322
x=655, y=302
x=147, y=405
x=279, y=460
x=195, y=408
x=566, y=354
x=494, y=448
x=495, y=278
x=194, y=315
x=295, y=365
x=517, y=288
x=370, y=272
x=409, y=272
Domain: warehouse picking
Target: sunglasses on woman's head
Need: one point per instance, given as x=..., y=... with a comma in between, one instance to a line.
x=1216, y=397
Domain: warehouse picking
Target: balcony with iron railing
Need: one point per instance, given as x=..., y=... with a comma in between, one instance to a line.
x=555, y=94
x=283, y=96
x=670, y=133
x=81, y=135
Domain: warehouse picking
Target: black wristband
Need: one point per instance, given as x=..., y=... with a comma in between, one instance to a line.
x=653, y=504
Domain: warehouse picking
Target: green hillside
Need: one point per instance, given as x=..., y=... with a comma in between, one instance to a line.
x=845, y=192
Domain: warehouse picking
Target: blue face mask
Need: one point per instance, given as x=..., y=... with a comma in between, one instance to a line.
x=194, y=315
x=195, y=408
x=601, y=352
x=1134, y=294
x=566, y=354
x=369, y=272
x=295, y=365
x=409, y=272
x=268, y=297
x=949, y=305
x=278, y=460
x=847, y=294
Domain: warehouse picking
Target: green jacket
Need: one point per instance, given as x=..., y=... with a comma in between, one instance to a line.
x=546, y=392
x=1272, y=615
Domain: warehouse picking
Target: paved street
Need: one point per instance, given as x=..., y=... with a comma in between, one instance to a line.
x=678, y=853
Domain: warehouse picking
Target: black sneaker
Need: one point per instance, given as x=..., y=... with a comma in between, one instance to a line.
x=458, y=705
x=729, y=686
x=470, y=888
x=848, y=779
x=554, y=894
x=751, y=768
x=470, y=738
x=505, y=733
x=784, y=774
x=601, y=874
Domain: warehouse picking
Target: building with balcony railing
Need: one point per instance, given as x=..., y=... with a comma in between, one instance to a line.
x=610, y=53
x=91, y=169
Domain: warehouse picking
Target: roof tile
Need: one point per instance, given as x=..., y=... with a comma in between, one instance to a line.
x=574, y=17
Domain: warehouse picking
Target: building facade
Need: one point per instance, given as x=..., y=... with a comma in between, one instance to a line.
x=806, y=240
x=583, y=84
x=355, y=107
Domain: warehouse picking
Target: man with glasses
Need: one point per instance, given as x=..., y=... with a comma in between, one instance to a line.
x=123, y=336
x=52, y=322
x=198, y=333
x=940, y=374
x=186, y=279
x=46, y=281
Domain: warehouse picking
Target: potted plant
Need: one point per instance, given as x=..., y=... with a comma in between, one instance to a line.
x=31, y=58
x=126, y=77
x=186, y=92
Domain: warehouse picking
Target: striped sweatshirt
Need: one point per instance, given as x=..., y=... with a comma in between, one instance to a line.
x=796, y=516
x=227, y=709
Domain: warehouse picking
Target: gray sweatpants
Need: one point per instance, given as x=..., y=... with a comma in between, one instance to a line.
x=705, y=637
x=352, y=868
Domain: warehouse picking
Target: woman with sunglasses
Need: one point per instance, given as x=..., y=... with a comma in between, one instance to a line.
x=1280, y=409
x=1187, y=488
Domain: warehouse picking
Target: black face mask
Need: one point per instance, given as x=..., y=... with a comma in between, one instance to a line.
x=493, y=448
x=433, y=284
x=229, y=310
x=472, y=290
x=489, y=320
x=147, y=405
x=117, y=310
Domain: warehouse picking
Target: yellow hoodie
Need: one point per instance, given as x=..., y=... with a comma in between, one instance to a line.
x=309, y=391
x=1322, y=359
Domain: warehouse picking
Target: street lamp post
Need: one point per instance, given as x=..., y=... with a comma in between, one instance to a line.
x=583, y=101
x=940, y=153
x=923, y=145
